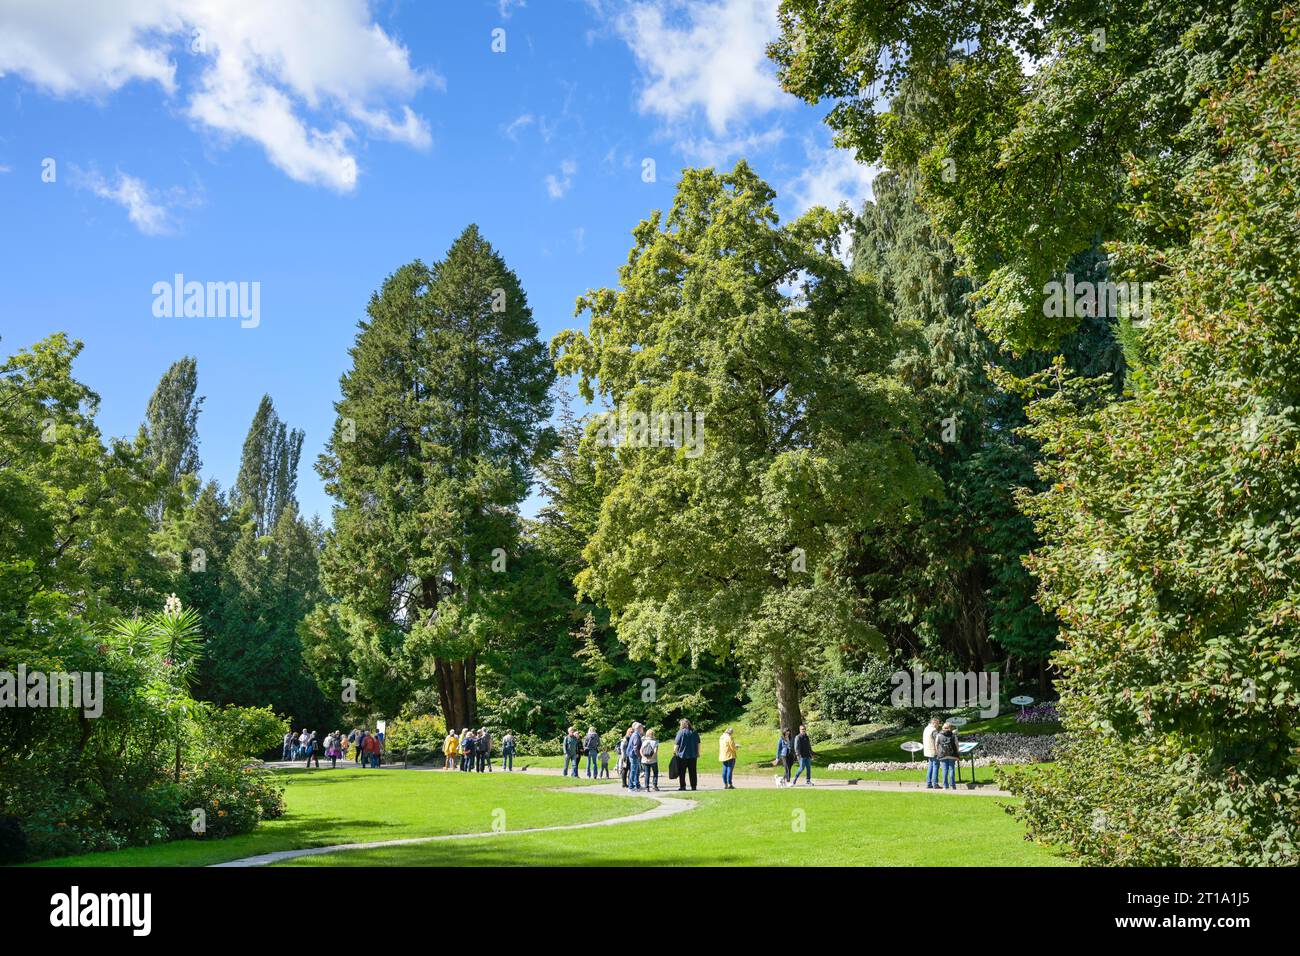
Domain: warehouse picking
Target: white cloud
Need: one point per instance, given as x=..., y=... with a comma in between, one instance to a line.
x=506, y=7
x=705, y=57
x=263, y=69
x=557, y=186
x=143, y=206
x=513, y=128
x=829, y=177
x=5, y=169
x=707, y=151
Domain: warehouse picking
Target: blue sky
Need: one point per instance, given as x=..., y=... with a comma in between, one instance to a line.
x=315, y=147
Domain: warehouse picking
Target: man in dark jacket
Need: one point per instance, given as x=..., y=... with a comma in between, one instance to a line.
x=591, y=747
x=571, y=748
x=686, y=748
x=484, y=750
x=633, y=751
x=803, y=752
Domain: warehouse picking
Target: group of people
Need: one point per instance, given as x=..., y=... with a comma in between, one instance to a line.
x=939, y=745
x=638, y=756
x=788, y=750
x=471, y=750
x=365, y=746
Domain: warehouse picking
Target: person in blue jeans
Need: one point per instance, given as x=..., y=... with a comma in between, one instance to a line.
x=927, y=751
x=784, y=756
x=633, y=752
x=803, y=752
x=508, y=752
x=572, y=748
x=591, y=747
x=945, y=746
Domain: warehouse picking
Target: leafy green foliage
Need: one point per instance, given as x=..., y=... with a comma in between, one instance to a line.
x=1171, y=530
x=761, y=329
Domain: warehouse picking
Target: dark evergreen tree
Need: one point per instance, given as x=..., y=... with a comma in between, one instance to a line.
x=442, y=416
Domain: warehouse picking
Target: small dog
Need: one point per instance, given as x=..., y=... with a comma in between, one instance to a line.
x=778, y=780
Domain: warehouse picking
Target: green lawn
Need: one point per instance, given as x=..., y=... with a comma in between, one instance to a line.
x=325, y=807
x=756, y=828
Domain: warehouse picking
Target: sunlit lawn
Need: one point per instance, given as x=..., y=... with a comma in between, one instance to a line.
x=325, y=807
x=829, y=827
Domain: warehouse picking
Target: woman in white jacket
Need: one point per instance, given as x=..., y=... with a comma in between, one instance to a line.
x=927, y=750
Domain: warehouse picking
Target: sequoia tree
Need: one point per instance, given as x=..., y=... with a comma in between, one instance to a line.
x=442, y=415
x=737, y=543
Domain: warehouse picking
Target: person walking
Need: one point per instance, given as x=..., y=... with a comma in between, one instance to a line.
x=302, y=744
x=686, y=747
x=355, y=739
x=927, y=750
x=650, y=759
x=784, y=755
x=332, y=748
x=484, y=750
x=591, y=747
x=450, y=750
x=287, y=752
x=803, y=752
x=604, y=762
x=727, y=757
x=508, y=752
x=947, y=748
x=634, y=757
x=310, y=752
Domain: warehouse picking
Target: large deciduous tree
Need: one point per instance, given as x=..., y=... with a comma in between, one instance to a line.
x=442, y=416
x=763, y=330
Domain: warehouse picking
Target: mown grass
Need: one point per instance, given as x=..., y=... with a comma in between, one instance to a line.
x=326, y=807
x=829, y=827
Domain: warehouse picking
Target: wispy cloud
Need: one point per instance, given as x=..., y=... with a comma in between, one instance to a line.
x=557, y=186
x=150, y=210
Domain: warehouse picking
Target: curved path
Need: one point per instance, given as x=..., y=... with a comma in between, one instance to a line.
x=665, y=807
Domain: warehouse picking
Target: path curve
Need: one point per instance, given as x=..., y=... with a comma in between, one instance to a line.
x=665, y=807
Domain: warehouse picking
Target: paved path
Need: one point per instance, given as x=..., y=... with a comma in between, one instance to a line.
x=743, y=781
x=664, y=807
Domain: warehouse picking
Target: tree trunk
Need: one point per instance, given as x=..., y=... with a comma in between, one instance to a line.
x=787, y=697
x=456, y=690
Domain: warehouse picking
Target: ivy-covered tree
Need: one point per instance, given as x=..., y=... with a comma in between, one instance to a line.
x=760, y=329
x=443, y=414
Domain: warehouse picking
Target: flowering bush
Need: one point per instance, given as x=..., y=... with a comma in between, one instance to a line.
x=232, y=797
x=1044, y=713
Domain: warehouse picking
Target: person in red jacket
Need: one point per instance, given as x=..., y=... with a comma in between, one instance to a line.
x=371, y=745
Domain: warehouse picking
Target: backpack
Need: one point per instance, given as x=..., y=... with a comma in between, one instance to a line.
x=946, y=744
x=649, y=749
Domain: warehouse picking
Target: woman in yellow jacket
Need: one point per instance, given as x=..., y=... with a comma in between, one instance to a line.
x=450, y=749
x=727, y=754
